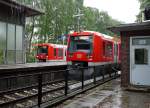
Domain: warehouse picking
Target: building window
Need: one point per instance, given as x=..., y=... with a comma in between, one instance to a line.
x=19, y=41
x=11, y=43
x=141, y=41
x=19, y=31
x=141, y=56
x=2, y=35
x=2, y=42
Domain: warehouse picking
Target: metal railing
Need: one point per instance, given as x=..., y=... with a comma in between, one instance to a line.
x=18, y=80
x=48, y=85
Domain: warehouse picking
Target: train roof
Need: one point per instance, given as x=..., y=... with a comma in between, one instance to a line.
x=104, y=36
x=58, y=45
x=51, y=44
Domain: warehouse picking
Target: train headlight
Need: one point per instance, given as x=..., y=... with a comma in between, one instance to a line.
x=89, y=56
x=70, y=55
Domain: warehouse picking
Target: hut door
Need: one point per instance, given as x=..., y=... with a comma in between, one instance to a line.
x=140, y=61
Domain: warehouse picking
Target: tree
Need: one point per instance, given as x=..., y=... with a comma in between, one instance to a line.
x=58, y=20
x=143, y=5
x=98, y=21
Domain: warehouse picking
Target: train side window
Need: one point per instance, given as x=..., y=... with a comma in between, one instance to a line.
x=65, y=52
x=116, y=49
x=104, y=53
x=60, y=52
x=54, y=51
x=108, y=49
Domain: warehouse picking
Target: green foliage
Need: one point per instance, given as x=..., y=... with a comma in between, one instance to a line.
x=1, y=57
x=98, y=21
x=30, y=57
x=143, y=5
x=58, y=20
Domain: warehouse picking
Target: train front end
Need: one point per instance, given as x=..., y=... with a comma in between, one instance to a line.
x=80, y=49
x=42, y=53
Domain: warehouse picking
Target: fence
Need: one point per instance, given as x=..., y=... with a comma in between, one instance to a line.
x=45, y=87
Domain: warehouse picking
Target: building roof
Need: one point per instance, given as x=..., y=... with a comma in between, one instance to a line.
x=131, y=27
x=26, y=9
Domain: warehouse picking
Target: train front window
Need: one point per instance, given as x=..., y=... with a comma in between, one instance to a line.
x=83, y=46
x=42, y=49
x=80, y=43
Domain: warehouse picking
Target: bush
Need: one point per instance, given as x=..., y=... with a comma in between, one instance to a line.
x=30, y=57
x=1, y=57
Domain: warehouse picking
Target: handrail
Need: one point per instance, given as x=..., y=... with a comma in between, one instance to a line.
x=59, y=76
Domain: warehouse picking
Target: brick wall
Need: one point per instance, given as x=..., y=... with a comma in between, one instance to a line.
x=125, y=64
x=125, y=54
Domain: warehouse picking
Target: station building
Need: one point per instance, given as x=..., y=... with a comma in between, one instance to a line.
x=12, y=31
x=135, y=54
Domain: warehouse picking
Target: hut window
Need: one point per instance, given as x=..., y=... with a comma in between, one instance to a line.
x=141, y=56
x=141, y=41
x=2, y=41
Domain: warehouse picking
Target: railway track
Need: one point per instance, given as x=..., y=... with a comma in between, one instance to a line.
x=45, y=94
x=28, y=97
x=50, y=91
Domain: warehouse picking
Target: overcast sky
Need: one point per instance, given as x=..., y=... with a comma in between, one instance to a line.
x=122, y=10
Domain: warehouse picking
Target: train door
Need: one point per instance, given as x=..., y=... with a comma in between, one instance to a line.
x=64, y=54
x=55, y=53
x=140, y=61
x=60, y=53
x=115, y=52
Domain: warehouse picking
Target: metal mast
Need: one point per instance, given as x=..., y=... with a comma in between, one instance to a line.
x=78, y=16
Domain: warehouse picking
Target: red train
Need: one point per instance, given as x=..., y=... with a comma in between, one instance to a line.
x=89, y=48
x=50, y=52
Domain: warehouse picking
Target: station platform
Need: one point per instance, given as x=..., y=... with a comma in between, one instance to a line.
x=33, y=65
x=109, y=95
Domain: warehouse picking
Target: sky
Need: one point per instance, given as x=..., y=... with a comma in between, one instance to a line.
x=122, y=10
